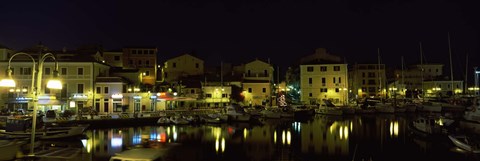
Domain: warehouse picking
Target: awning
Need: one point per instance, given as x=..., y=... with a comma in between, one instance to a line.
x=49, y=102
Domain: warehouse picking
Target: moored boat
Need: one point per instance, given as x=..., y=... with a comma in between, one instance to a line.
x=465, y=143
x=236, y=113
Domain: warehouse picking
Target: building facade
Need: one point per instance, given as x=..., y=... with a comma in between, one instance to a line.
x=182, y=66
x=368, y=80
x=257, y=83
x=143, y=59
x=323, y=81
x=442, y=88
x=413, y=76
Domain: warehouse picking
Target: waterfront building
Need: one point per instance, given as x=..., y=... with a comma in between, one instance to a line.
x=442, y=88
x=78, y=72
x=368, y=80
x=182, y=66
x=413, y=76
x=142, y=58
x=257, y=83
x=323, y=76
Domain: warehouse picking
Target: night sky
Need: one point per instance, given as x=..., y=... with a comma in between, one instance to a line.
x=240, y=31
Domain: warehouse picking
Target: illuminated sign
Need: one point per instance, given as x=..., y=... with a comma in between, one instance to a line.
x=137, y=97
x=117, y=96
x=79, y=96
x=23, y=98
x=47, y=97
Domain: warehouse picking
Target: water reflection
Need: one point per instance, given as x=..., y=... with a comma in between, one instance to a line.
x=324, y=137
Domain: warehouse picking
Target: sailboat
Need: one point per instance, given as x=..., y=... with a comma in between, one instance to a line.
x=426, y=106
x=382, y=106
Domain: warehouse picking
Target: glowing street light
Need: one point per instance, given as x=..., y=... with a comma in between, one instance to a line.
x=53, y=83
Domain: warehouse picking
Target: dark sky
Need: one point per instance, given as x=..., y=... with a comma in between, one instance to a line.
x=239, y=31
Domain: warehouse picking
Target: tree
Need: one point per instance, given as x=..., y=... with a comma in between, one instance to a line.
x=293, y=84
x=237, y=94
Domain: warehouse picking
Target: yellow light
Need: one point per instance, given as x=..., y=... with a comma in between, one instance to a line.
x=54, y=84
x=391, y=128
x=24, y=90
x=345, y=132
x=223, y=145
x=245, y=133
x=216, y=145
x=289, y=137
x=275, y=137
x=340, y=130
x=11, y=90
x=283, y=137
x=7, y=83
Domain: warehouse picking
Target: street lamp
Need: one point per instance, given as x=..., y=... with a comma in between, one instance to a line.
x=53, y=84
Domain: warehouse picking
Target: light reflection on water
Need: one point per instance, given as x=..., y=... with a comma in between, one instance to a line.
x=379, y=137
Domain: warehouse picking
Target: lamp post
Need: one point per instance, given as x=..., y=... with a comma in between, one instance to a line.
x=36, y=87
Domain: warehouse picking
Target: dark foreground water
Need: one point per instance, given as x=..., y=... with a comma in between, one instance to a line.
x=373, y=137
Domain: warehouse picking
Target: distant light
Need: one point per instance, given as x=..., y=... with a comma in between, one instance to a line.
x=54, y=84
x=7, y=83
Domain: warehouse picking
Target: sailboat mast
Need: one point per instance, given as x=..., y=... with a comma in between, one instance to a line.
x=421, y=68
x=403, y=78
x=466, y=75
x=378, y=72
x=221, y=83
x=451, y=65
